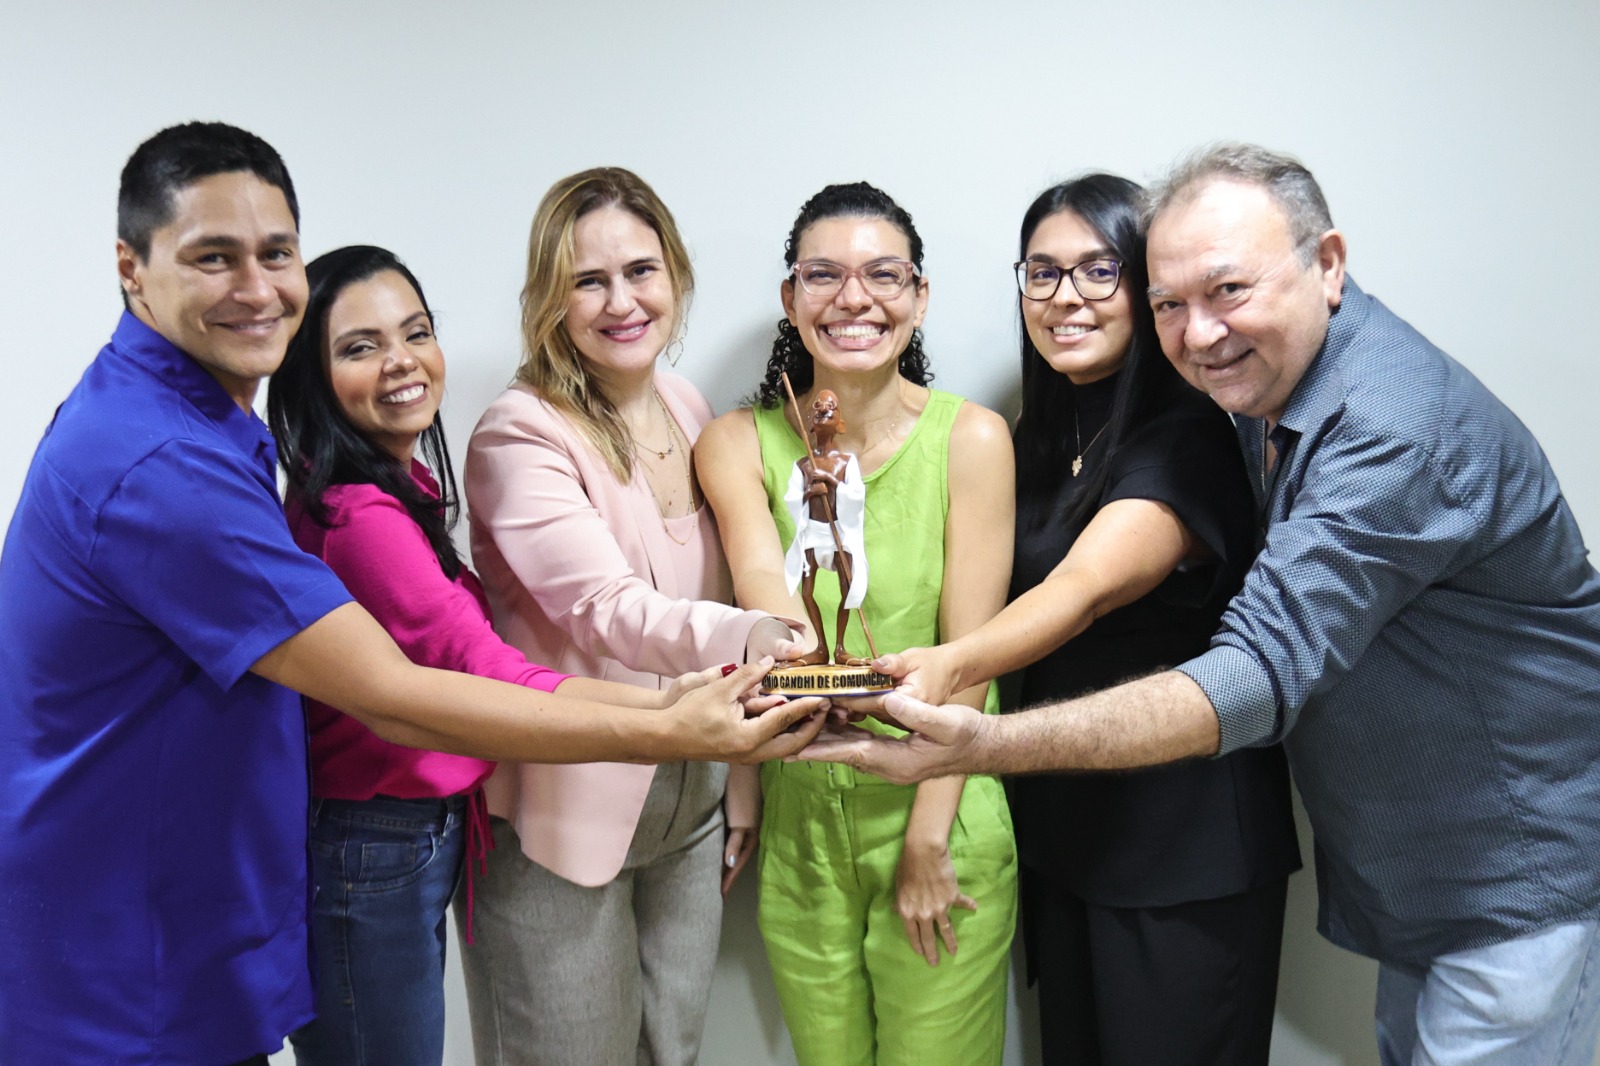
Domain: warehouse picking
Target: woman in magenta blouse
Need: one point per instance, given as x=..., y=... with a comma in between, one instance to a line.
x=355, y=410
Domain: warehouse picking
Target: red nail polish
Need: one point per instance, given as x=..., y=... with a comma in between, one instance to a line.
x=730, y=668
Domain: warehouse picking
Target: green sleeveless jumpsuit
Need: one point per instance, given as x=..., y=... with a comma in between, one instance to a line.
x=852, y=988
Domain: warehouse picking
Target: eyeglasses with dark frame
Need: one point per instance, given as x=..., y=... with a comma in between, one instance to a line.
x=883, y=278
x=1093, y=279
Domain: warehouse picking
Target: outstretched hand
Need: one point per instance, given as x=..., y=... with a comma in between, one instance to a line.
x=926, y=673
x=727, y=720
x=941, y=740
x=686, y=683
x=781, y=638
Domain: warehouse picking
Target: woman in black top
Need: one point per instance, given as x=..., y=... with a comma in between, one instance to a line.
x=1152, y=901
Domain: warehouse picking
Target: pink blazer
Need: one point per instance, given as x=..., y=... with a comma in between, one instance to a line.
x=577, y=570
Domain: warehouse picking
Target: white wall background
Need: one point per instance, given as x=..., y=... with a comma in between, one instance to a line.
x=1457, y=142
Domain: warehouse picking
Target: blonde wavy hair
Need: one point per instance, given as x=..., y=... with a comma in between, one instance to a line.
x=551, y=363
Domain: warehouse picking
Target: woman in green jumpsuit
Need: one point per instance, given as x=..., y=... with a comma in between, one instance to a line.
x=887, y=910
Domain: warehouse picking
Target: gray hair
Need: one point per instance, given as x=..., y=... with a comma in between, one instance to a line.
x=1285, y=179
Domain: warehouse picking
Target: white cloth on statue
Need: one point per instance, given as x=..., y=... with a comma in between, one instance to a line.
x=850, y=514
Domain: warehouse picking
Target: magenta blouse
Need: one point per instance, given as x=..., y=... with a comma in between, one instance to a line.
x=386, y=562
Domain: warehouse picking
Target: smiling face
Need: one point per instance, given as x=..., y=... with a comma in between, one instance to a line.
x=223, y=280
x=852, y=329
x=1086, y=340
x=383, y=362
x=1238, y=312
x=622, y=309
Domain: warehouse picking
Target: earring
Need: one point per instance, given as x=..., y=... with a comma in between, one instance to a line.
x=674, y=350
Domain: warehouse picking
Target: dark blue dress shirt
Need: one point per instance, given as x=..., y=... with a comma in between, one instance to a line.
x=1422, y=628
x=153, y=792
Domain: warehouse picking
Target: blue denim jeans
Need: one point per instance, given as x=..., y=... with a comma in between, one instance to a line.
x=385, y=870
x=1530, y=1000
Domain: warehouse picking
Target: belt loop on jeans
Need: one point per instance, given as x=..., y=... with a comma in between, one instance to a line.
x=841, y=776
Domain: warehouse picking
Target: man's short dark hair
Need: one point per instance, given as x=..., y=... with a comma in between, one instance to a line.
x=177, y=157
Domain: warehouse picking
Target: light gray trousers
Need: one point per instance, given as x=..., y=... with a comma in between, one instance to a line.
x=617, y=975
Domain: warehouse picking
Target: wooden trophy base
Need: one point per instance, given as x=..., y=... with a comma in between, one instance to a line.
x=825, y=680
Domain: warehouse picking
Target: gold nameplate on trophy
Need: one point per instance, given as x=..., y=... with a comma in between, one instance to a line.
x=825, y=680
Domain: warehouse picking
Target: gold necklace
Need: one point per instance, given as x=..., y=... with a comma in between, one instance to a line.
x=1077, y=433
x=890, y=435
x=672, y=444
x=674, y=434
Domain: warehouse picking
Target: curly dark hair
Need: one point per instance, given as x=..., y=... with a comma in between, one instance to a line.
x=854, y=200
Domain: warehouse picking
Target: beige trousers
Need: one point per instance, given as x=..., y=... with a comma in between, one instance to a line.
x=616, y=975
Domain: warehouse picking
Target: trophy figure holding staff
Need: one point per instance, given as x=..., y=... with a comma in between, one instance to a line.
x=826, y=498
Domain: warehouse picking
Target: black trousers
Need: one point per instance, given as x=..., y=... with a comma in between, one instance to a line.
x=1193, y=984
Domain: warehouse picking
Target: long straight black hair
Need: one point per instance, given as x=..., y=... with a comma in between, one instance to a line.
x=317, y=445
x=1110, y=206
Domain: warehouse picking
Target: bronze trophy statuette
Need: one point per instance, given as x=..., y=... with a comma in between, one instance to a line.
x=827, y=499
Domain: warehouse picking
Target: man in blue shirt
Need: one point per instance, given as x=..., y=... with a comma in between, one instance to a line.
x=1421, y=629
x=153, y=782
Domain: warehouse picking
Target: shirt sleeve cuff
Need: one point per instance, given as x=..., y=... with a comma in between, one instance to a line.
x=1241, y=691
x=294, y=616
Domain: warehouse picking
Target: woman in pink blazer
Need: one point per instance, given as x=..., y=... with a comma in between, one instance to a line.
x=599, y=918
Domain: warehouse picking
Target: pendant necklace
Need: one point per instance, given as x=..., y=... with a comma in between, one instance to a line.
x=672, y=443
x=1077, y=433
x=688, y=475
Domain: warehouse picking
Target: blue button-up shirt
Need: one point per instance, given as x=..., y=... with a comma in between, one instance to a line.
x=1422, y=628
x=153, y=792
